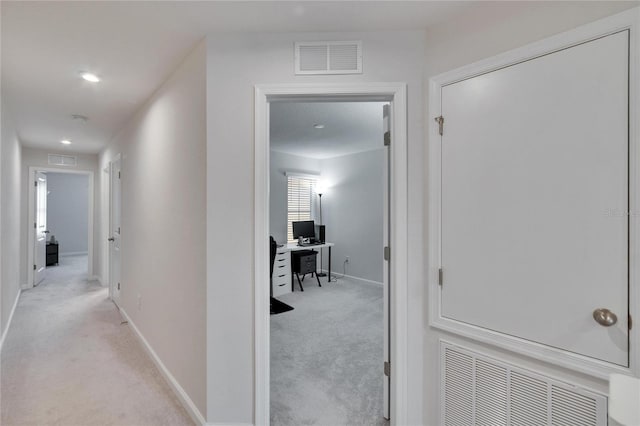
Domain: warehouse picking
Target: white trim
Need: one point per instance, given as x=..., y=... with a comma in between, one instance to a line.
x=97, y=278
x=308, y=175
x=30, y=215
x=13, y=311
x=229, y=424
x=186, y=402
x=596, y=368
x=73, y=253
x=397, y=93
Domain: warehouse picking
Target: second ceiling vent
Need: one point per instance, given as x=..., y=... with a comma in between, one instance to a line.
x=328, y=57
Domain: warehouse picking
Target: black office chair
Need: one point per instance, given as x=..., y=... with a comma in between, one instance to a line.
x=274, y=250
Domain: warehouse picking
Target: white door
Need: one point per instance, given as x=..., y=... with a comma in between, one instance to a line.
x=115, y=240
x=40, y=243
x=535, y=192
x=386, y=376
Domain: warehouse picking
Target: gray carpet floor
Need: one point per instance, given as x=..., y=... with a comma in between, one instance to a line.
x=69, y=361
x=327, y=356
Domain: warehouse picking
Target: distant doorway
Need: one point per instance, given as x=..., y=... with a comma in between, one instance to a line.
x=61, y=210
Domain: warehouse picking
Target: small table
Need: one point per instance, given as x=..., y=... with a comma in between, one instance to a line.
x=296, y=247
x=52, y=254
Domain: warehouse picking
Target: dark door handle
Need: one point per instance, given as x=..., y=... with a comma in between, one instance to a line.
x=111, y=239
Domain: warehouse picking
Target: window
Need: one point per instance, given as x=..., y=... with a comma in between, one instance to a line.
x=299, y=196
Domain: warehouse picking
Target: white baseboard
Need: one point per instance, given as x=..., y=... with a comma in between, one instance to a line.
x=74, y=253
x=96, y=278
x=351, y=277
x=13, y=311
x=187, y=403
x=229, y=424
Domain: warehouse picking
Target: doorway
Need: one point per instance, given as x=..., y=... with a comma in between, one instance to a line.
x=61, y=210
x=395, y=95
x=329, y=175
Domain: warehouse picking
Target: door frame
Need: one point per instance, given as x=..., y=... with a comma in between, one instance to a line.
x=109, y=268
x=396, y=93
x=628, y=20
x=37, y=179
x=31, y=216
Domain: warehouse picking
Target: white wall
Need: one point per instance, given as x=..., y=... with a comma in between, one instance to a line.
x=353, y=209
x=39, y=158
x=10, y=217
x=68, y=211
x=280, y=163
x=485, y=31
x=237, y=62
x=163, y=222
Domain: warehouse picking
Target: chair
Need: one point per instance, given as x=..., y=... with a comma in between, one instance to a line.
x=274, y=249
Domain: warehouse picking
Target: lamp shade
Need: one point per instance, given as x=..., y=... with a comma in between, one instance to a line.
x=320, y=188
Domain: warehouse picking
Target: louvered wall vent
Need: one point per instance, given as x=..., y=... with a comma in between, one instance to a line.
x=328, y=57
x=63, y=160
x=478, y=390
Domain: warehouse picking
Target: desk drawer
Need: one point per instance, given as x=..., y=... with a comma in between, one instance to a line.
x=283, y=255
x=282, y=273
x=281, y=283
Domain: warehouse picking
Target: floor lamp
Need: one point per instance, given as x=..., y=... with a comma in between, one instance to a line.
x=321, y=274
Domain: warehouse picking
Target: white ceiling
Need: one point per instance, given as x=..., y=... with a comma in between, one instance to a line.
x=134, y=46
x=349, y=127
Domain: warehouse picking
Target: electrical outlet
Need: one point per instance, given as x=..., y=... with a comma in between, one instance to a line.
x=346, y=260
x=139, y=302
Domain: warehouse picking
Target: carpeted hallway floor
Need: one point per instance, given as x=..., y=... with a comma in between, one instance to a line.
x=69, y=361
x=327, y=356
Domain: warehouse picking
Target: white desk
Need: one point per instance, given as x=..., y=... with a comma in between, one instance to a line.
x=296, y=247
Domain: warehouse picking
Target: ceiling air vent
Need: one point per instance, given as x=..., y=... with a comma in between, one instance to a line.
x=63, y=160
x=328, y=57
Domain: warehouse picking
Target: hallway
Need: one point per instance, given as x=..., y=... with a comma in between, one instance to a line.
x=68, y=360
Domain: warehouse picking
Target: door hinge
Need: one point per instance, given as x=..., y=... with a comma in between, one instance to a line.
x=35, y=225
x=440, y=277
x=440, y=121
x=118, y=174
x=118, y=286
x=34, y=267
x=387, y=138
x=387, y=368
x=630, y=322
x=387, y=253
x=35, y=184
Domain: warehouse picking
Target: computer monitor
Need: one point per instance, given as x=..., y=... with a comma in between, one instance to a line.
x=304, y=229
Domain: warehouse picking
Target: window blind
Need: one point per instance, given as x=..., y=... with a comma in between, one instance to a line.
x=299, y=201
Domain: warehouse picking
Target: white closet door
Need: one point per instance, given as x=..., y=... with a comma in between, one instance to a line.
x=535, y=197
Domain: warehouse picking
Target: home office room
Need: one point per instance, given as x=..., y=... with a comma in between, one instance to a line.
x=328, y=191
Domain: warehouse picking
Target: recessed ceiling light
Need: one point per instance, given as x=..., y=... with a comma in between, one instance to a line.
x=90, y=77
x=65, y=142
x=318, y=126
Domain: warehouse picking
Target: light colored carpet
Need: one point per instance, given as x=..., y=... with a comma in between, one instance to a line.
x=69, y=361
x=327, y=356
